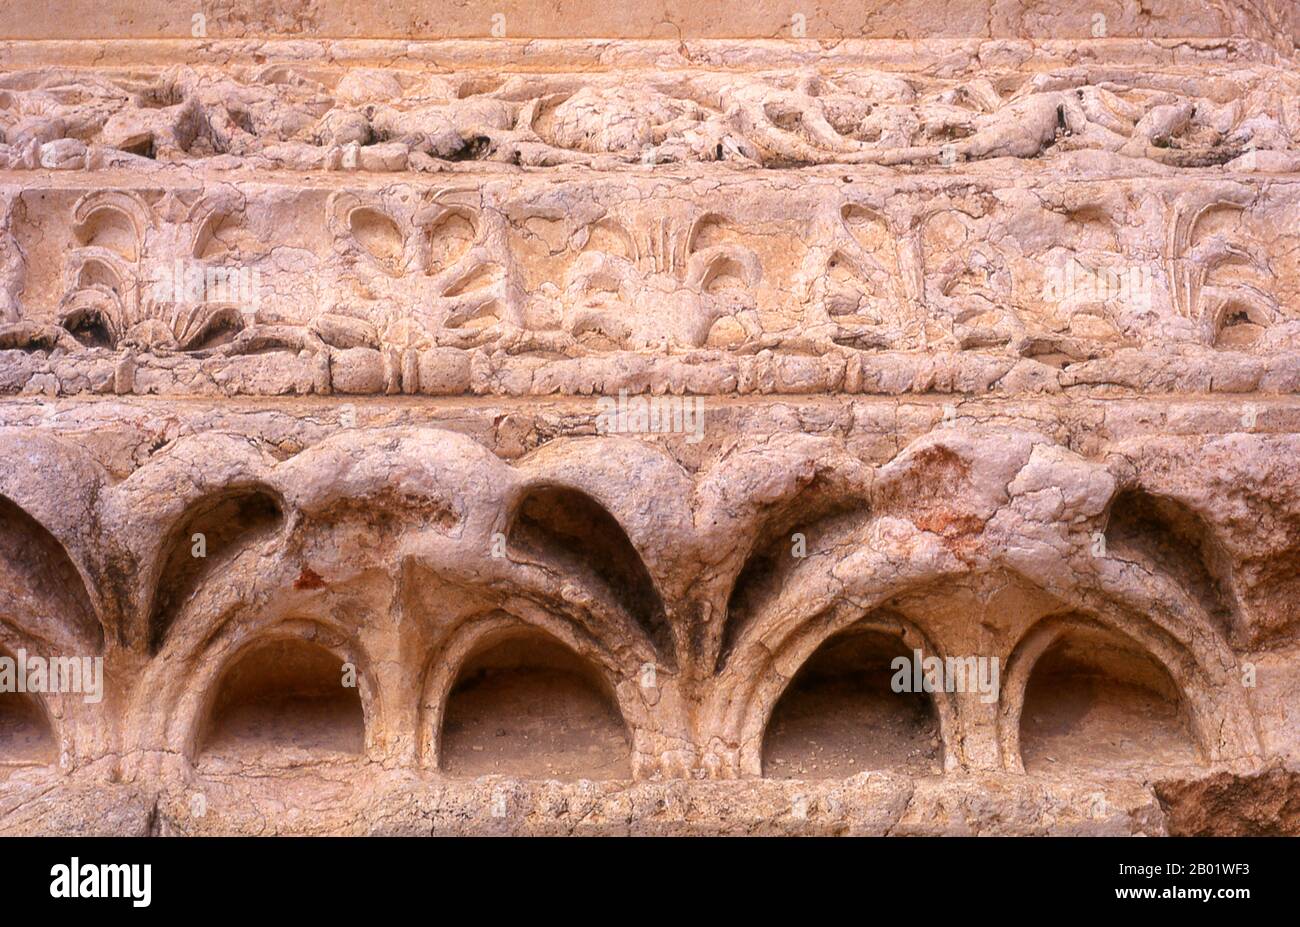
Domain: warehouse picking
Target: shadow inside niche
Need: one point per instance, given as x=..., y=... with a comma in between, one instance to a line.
x=819, y=515
x=529, y=707
x=1096, y=701
x=1177, y=541
x=229, y=523
x=839, y=716
x=570, y=530
x=25, y=735
x=281, y=699
x=35, y=566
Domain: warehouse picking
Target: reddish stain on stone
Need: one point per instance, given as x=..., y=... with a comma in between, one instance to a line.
x=309, y=579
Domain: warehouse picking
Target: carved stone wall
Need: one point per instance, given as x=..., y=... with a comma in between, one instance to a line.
x=432, y=423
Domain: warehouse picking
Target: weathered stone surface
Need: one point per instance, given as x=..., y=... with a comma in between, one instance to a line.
x=542, y=433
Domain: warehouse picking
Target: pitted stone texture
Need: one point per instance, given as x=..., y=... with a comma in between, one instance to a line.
x=447, y=423
x=566, y=19
x=378, y=545
x=694, y=281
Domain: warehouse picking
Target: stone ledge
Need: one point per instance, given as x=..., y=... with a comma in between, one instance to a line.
x=453, y=372
x=885, y=424
x=829, y=20
x=876, y=804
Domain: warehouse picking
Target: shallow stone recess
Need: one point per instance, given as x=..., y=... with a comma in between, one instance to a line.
x=567, y=424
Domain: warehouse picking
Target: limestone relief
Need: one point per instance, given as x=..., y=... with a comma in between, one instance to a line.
x=884, y=429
